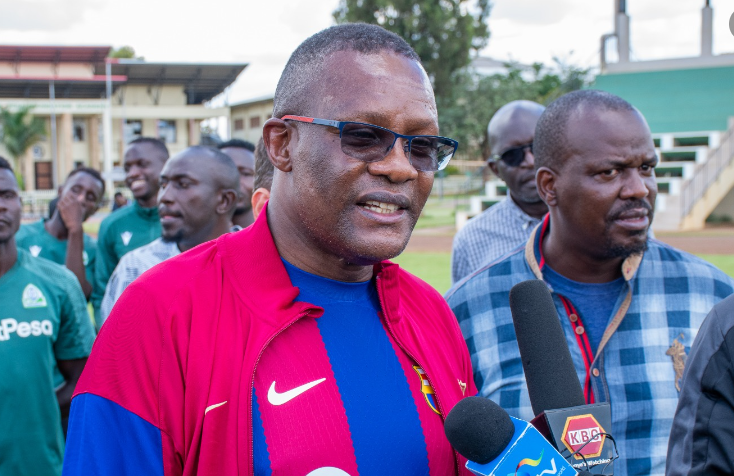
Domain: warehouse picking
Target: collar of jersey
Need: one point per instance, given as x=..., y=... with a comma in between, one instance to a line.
x=150, y=214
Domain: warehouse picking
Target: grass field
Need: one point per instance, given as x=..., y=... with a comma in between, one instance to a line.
x=435, y=268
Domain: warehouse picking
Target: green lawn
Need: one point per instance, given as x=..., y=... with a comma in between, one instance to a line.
x=436, y=214
x=723, y=262
x=435, y=268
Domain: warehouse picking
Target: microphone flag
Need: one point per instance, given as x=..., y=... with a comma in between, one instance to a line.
x=580, y=435
x=527, y=454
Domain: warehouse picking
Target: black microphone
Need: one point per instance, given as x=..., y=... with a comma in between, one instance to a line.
x=497, y=444
x=574, y=428
x=478, y=429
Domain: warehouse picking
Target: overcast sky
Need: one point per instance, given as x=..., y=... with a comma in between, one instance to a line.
x=264, y=33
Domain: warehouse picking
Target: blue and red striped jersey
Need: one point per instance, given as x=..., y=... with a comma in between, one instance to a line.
x=337, y=392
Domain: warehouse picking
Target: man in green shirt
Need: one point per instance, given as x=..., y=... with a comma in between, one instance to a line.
x=133, y=226
x=43, y=323
x=61, y=238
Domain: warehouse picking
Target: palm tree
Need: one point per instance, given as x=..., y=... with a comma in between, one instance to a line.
x=19, y=131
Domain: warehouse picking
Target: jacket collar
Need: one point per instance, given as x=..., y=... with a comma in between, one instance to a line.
x=536, y=261
x=254, y=268
x=149, y=214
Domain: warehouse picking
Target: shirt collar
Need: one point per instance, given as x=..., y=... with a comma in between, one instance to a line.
x=526, y=220
x=536, y=260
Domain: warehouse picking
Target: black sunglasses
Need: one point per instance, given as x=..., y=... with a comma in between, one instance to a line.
x=514, y=155
x=371, y=143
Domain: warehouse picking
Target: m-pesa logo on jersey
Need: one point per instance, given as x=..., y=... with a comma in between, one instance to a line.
x=10, y=326
x=583, y=434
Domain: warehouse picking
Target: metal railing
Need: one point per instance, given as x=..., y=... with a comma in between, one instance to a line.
x=35, y=203
x=707, y=173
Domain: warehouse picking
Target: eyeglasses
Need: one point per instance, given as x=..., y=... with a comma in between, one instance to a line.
x=514, y=156
x=370, y=143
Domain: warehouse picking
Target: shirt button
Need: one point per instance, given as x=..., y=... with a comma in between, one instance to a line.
x=595, y=372
x=580, y=330
x=573, y=317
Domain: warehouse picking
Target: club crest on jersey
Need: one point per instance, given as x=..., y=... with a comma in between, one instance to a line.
x=677, y=352
x=35, y=250
x=33, y=297
x=426, y=389
x=85, y=258
x=126, y=236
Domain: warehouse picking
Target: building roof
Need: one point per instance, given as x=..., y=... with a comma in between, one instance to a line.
x=256, y=100
x=202, y=81
x=54, y=54
x=64, y=88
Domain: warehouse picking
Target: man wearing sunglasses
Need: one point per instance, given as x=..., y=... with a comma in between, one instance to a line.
x=629, y=306
x=293, y=347
x=507, y=224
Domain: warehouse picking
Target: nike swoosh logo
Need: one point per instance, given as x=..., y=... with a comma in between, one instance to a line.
x=276, y=398
x=212, y=407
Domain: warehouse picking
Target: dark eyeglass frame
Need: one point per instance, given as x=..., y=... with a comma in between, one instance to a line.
x=513, y=156
x=440, y=163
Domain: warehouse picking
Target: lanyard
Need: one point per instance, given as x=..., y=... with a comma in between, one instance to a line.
x=582, y=337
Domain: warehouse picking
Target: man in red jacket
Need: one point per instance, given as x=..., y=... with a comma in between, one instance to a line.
x=293, y=347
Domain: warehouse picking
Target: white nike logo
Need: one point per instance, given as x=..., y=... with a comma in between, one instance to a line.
x=276, y=398
x=212, y=407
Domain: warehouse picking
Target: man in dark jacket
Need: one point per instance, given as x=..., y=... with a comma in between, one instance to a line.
x=702, y=438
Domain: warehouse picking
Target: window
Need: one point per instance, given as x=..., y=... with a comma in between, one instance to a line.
x=79, y=127
x=239, y=124
x=254, y=122
x=132, y=129
x=167, y=131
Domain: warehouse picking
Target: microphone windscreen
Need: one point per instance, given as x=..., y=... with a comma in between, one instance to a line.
x=478, y=429
x=551, y=378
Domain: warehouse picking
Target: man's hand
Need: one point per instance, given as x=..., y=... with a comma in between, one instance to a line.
x=72, y=213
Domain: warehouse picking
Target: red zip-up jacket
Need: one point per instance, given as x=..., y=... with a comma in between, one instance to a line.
x=187, y=335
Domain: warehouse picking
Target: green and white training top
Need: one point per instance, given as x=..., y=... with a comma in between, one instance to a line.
x=43, y=318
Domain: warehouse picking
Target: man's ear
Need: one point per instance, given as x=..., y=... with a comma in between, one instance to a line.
x=492, y=164
x=227, y=201
x=277, y=136
x=545, y=180
x=259, y=198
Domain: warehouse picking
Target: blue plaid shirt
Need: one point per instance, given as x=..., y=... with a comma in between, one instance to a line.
x=666, y=296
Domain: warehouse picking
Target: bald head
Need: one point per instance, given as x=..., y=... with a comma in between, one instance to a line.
x=294, y=93
x=552, y=144
x=197, y=198
x=211, y=165
x=514, y=118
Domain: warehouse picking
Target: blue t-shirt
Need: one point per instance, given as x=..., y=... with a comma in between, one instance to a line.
x=594, y=301
x=360, y=403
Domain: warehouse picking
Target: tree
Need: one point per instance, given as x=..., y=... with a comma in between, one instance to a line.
x=464, y=115
x=444, y=33
x=124, y=52
x=20, y=131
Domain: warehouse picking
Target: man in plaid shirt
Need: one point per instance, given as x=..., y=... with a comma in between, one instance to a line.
x=507, y=224
x=630, y=306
